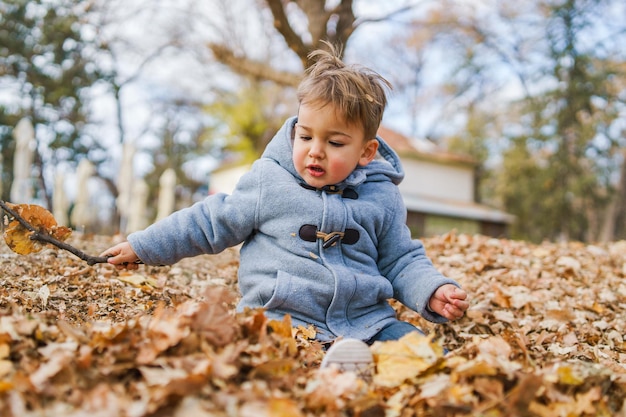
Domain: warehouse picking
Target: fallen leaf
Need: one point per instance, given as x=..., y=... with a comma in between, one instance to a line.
x=43, y=294
x=283, y=407
x=6, y=367
x=434, y=386
x=400, y=360
x=137, y=280
x=41, y=377
x=539, y=339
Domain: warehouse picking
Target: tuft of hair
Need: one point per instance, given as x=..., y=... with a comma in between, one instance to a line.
x=358, y=93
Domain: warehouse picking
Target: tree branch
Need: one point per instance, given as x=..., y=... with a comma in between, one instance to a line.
x=283, y=26
x=346, y=23
x=46, y=238
x=385, y=17
x=249, y=67
x=318, y=18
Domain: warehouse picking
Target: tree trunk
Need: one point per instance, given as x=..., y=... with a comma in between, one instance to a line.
x=613, y=226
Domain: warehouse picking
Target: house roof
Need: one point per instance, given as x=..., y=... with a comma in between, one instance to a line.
x=454, y=208
x=426, y=150
x=421, y=148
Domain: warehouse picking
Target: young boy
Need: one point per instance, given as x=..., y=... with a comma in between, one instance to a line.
x=322, y=223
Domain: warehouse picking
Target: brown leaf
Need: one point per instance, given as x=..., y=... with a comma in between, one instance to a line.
x=540, y=339
x=213, y=319
x=330, y=389
x=521, y=396
x=18, y=238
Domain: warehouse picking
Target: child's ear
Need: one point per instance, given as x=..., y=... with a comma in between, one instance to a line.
x=369, y=152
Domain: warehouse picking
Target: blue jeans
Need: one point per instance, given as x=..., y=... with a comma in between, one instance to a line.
x=394, y=331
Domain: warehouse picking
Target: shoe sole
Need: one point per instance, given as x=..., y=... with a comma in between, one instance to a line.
x=350, y=355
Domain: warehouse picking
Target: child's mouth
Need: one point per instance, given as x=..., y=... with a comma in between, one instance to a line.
x=315, y=170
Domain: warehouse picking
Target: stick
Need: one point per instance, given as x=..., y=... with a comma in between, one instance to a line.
x=46, y=238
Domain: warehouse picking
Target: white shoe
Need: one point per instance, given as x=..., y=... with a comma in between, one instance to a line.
x=350, y=355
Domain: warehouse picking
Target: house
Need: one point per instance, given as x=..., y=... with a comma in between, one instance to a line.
x=438, y=189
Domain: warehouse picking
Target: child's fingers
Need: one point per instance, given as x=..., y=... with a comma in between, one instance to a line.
x=127, y=266
x=114, y=259
x=452, y=312
x=119, y=260
x=461, y=304
x=455, y=308
x=458, y=294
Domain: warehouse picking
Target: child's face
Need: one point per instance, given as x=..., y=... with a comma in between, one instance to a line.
x=326, y=149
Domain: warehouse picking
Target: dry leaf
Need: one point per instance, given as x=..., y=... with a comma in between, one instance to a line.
x=541, y=338
x=18, y=238
x=283, y=407
x=398, y=361
x=41, y=377
x=6, y=367
x=137, y=280
x=330, y=388
x=435, y=386
x=43, y=294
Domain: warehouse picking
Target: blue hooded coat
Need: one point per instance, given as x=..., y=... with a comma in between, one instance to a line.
x=342, y=284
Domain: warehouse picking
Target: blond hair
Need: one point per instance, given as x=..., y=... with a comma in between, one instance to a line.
x=357, y=92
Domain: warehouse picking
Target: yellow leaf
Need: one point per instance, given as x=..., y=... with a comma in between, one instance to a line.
x=567, y=376
x=460, y=394
x=306, y=332
x=475, y=368
x=274, y=368
x=283, y=327
x=6, y=386
x=598, y=308
x=283, y=407
x=138, y=280
x=18, y=239
x=399, y=360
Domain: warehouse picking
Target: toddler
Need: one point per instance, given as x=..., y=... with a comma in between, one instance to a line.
x=322, y=222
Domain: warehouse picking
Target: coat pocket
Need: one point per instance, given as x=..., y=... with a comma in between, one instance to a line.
x=281, y=291
x=300, y=297
x=371, y=291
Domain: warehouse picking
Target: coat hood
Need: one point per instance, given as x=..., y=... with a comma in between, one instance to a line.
x=385, y=167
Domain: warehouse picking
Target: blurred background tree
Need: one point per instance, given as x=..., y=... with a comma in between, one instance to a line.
x=540, y=90
x=46, y=63
x=534, y=91
x=570, y=128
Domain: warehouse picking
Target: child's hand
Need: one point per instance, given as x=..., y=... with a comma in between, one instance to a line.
x=122, y=256
x=449, y=301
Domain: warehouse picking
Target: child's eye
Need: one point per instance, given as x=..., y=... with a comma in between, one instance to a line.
x=336, y=144
x=305, y=138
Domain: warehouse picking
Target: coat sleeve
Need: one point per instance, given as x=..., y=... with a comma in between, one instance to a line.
x=208, y=227
x=404, y=262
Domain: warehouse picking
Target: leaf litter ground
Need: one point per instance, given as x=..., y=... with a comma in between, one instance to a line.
x=544, y=336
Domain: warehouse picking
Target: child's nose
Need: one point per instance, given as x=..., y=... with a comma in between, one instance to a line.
x=316, y=150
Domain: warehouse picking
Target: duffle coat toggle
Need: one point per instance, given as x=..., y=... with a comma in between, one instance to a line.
x=310, y=233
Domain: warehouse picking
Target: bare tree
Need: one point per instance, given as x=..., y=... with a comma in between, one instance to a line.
x=326, y=21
